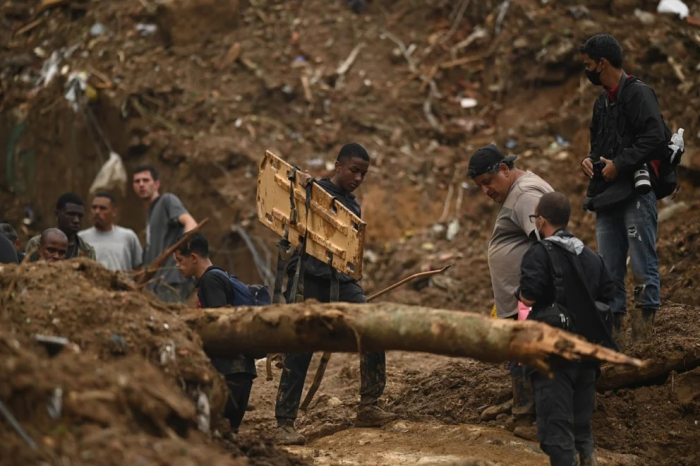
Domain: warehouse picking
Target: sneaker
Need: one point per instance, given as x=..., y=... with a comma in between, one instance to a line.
x=287, y=435
x=373, y=416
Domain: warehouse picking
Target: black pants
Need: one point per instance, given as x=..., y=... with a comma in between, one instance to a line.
x=564, y=409
x=372, y=365
x=239, y=386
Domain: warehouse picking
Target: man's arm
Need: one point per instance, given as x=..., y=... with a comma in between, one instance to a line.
x=587, y=162
x=177, y=212
x=135, y=250
x=523, y=208
x=534, y=275
x=187, y=221
x=644, y=119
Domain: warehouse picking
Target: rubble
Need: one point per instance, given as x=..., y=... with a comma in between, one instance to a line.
x=201, y=88
x=79, y=399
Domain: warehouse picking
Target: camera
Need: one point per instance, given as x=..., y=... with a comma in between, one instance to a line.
x=598, y=168
x=642, y=181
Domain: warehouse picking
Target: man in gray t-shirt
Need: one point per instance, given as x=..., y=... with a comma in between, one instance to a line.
x=116, y=248
x=518, y=192
x=167, y=221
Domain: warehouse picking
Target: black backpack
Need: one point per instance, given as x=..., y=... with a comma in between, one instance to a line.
x=662, y=165
x=598, y=325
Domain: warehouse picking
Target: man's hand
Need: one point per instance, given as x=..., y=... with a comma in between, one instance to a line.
x=526, y=302
x=305, y=178
x=587, y=167
x=610, y=170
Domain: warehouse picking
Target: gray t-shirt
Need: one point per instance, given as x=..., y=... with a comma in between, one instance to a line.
x=511, y=239
x=118, y=249
x=162, y=231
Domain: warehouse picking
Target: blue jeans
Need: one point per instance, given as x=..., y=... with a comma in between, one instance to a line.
x=632, y=227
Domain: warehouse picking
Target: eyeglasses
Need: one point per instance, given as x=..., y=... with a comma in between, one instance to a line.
x=534, y=217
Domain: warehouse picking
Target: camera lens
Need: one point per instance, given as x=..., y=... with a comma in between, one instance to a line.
x=642, y=181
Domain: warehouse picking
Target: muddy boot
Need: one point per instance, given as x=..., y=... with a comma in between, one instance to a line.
x=523, y=396
x=287, y=435
x=646, y=325
x=591, y=460
x=642, y=321
x=373, y=416
x=635, y=323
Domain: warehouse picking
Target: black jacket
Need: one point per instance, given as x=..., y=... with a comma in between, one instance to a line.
x=537, y=284
x=314, y=267
x=629, y=131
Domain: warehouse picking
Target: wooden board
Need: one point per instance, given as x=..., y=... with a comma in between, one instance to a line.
x=335, y=233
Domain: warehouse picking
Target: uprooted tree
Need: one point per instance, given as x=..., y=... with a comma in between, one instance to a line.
x=341, y=327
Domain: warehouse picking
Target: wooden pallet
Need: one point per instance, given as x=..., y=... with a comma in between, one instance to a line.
x=335, y=234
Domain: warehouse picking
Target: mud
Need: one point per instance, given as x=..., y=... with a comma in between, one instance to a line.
x=203, y=110
x=127, y=386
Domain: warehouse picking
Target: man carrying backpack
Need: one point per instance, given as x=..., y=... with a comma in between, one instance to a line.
x=569, y=287
x=629, y=139
x=216, y=288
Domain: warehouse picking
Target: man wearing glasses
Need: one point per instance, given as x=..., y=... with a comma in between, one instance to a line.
x=568, y=286
x=517, y=192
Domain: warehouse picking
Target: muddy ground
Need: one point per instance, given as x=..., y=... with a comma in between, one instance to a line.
x=202, y=92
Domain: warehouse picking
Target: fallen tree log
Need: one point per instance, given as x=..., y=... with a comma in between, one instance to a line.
x=614, y=377
x=342, y=327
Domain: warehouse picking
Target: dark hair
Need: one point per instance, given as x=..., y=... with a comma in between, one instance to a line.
x=9, y=231
x=351, y=150
x=51, y=231
x=68, y=198
x=603, y=46
x=198, y=244
x=107, y=195
x=147, y=168
x=555, y=208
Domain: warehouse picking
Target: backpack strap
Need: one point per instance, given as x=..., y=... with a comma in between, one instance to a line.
x=557, y=273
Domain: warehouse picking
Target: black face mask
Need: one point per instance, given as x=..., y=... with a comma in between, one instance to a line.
x=594, y=77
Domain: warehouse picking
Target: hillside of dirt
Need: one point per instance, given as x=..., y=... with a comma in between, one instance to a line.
x=200, y=89
x=130, y=383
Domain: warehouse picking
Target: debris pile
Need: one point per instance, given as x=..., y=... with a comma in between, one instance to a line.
x=654, y=419
x=95, y=371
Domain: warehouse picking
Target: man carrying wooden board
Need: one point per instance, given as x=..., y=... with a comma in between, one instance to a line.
x=351, y=168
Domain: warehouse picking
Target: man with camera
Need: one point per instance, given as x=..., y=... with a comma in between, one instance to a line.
x=568, y=287
x=627, y=132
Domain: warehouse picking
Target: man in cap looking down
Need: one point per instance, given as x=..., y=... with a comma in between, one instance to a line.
x=517, y=192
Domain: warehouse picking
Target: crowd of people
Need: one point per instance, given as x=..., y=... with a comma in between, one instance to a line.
x=539, y=269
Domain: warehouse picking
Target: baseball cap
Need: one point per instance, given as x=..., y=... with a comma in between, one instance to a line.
x=485, y=158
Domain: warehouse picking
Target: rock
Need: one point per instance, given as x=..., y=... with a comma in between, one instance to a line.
x=188, y=22
x=492, y=412
x=687, y=388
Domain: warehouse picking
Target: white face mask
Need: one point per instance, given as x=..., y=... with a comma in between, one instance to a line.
x=537, y=233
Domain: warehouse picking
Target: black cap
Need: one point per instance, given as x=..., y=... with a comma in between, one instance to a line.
x=484, y=159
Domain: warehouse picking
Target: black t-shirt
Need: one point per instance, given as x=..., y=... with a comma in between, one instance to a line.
x=214, y=290
x=8, y=253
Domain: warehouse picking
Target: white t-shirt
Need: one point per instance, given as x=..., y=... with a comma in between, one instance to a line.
x=118, y=249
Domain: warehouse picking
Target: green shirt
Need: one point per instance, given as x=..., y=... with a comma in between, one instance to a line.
x=80, y=249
